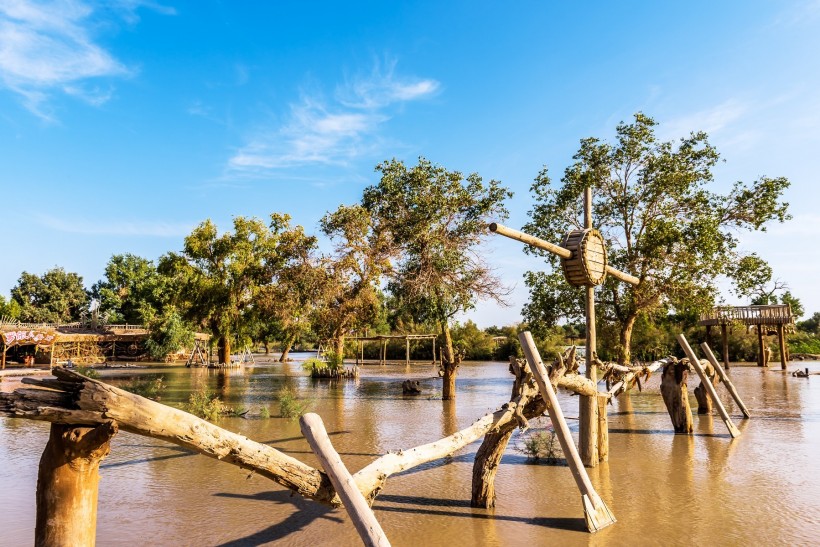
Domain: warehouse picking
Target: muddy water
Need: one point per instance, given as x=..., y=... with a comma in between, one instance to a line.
x=760, y=489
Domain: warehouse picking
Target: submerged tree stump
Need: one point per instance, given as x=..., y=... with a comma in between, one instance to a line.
x=676, y=396
x=67, y=484
x=701, y=393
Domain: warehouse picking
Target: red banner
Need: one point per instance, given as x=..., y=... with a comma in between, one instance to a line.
x=27, y=337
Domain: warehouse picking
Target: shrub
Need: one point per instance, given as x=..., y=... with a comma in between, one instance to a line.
x=88, y=372
x=264, y=413
x=541, y=445
x=289, y=406
x=204, y=404
x=168, y=334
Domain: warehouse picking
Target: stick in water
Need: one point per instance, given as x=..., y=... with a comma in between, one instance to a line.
x=360, y=512
x=596, y=513
x=695, y=362
x=725, y=377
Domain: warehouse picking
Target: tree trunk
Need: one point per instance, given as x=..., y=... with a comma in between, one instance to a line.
x=701, y=393
x=676, y=396
x=67, y=484
x=485, y=466
x=449, y=364
x=339, y=349
x=625, y=349
x=224, y=350
x=289, y=341
x=267, y=347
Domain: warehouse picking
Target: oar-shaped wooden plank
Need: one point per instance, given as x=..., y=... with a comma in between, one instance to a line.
x=695, y=362
x=360, y=512
x=596, y=513
x=726, y=380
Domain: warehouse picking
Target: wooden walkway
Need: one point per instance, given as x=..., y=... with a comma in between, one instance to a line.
x=778, y=316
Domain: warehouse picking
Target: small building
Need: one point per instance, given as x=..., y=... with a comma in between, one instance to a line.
x=769, y=319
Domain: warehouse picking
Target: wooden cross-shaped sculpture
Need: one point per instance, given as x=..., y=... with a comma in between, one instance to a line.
x=583, y=260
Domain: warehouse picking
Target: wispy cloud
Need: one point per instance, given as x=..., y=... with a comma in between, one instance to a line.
x=109, y=227
x=48, y=47
x=316, y=131
x=711, y=120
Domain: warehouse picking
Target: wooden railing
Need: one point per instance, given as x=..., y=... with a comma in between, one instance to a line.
x=774, y=314
x=70, y=326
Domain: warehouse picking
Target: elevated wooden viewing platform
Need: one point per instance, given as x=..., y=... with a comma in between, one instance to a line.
x=769, y=319
x=386, y=338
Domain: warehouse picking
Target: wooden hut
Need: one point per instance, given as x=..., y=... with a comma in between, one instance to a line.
x=770, y=319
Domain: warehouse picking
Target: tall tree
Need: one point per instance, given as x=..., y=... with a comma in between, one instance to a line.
x=55, y=297
x=437, y=220
x=218, y=276
x=132, y=291
x=350, y=298
x=660, y=220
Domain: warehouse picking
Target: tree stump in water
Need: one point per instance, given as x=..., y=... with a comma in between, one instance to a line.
x=411, y=387
x=676, y=396
x=67, y=484
x=701, y=393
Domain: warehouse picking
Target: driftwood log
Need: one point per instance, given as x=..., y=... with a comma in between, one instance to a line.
x=676, y=395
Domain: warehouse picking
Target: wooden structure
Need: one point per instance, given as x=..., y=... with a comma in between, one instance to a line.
x=769, y=319
x=386, y=338
x=41, y=336
x=584, y=262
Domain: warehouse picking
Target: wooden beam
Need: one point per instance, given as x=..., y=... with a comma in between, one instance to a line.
x=761, y=358
x=781, y=341
x=596, y=513
x=725, y=377
x=695, y=363
x=357, y=507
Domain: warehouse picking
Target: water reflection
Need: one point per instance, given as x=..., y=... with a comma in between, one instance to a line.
x=662, y=487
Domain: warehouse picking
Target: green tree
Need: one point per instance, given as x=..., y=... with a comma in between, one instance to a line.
x=437, y=219
x=660, y=221
x=55, y=297
x=9, y=309
x=132, y=291
x=218, y=277
x=350, y=297
x=810, y=325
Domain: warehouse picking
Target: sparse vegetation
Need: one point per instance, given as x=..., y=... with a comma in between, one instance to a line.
x=88, y=372
x=541, y=445
x=264, y=412
x=289, y=406
x=204, y=404
x=150, y=388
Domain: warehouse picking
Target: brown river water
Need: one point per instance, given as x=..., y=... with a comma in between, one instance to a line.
x=762, y=488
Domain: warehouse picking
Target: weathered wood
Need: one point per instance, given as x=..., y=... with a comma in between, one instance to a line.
x=725, y=377
x=603, y=428
x=354, y=502
x=676, y=396
x=588, y=437
x=67, y=483
x=633, y=373
x=596, y=513
x=530, y=240
x=695, y=363
x=781, y=341
x=701, y=392
x=586, y=266
x=724, y=336
x=761, y=355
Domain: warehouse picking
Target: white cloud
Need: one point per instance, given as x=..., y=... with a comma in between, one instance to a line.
x=47, y=47
x=712, y=120
x=331, y=133
x=108, y=227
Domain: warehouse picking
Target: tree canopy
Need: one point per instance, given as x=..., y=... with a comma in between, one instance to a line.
x=132, y=291
x=55, y=297
x=662, y=222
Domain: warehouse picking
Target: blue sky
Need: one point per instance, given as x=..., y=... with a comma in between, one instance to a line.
x=123, y=124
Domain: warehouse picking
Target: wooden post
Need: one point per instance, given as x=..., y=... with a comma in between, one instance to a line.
x=603, y=428
x=596, y=513
x=588, y=439
x=725, y=337
x=3, y=362
x=725, y=377
x=51, y=356
x=407, y=352
x=761, y=358
x=781, y=341
x=67, y=484
x=384, y=352
x=360, y=512
x=709, y=334
x=434, y=351
x=694, y=362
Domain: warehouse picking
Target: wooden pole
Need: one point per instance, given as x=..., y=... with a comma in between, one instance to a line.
x=709, y=334
x=724, y=335
x=588, y=439
x=781, y=341
x=360, y=512
x=3, y=364
x=596, y=513
x=725, y=377
x=761, y=359
x=695, y=363
x=67, y=484
x=407, y=352
x=434, y=351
